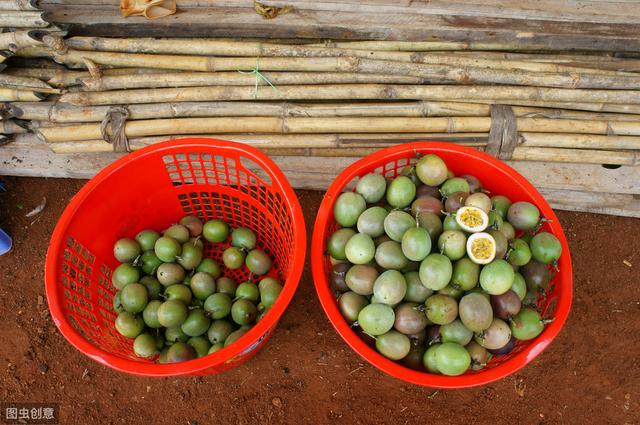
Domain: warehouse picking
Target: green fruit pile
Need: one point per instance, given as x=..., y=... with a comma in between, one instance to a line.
x=176, y=304
x=435, y=273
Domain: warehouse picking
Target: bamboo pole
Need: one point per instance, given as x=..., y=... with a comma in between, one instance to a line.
x=580, y=141
x=16, y=40
x=217, y=47
x=10, y=95
x=583, y=156
x=12, y=127
x=18, y=5
x=437, y=72
x=26, y=83
x=471, y=94
x=172, y=126
x=581, y=106
x=66, y=78
x=428, y=46
x=194, y=79
x=22, y=19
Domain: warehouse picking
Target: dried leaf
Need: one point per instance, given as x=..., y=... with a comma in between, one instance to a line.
x=270, y=12
x=37, y=210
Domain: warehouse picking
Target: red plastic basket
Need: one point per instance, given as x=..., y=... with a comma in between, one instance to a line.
x=498, y=178
x=153, y=188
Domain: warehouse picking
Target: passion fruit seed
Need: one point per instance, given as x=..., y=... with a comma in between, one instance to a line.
x=455, y=184
x=497, y=277
x=145, y=346
x=410, y=318
x=545, y=248
x=215, y=231
x=452, y=359
x=431, y=170
x=126, y=250
x=376, y=319
x=390, y=287
x=481, y=248
x=134, y=297
x=338, y=241
x=258, y=262
x=495, y=336
x=371, y=221
x=350, y=305
x=523, y=215
x=472, y=219
x=360, y=249
x=167, y=249
x=348, y=208
x=396, y=223
x=435, y=271
x=441, y=309
x=233, y=258
x=193, y=224
x=456, y=332
x=372, y=187
x=393, y=345
x=147, y=239
x=389, y=255
x=178, y=232
x=243, y=237
x=209, y=265
x=124, y=274
x=170, y=273
x=202, y=285
x=129, y=325
x=416, y=291
x=452, y=243
x=527, y=324
x=401, y=192
x=475, y=312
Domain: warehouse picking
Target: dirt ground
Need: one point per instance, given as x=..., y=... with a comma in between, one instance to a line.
x=306, y=373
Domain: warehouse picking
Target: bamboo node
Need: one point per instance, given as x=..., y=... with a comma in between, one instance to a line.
x=112, y=128
x=56, y=43
x=259, y=76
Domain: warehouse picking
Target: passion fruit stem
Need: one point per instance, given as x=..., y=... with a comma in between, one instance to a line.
x=420, y=307
x=547, y=321
x=196, y=239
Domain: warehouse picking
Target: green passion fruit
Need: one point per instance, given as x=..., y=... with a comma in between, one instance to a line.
x=215, y=231
x=243, y=312
x=436, y=271
x=451, y=291
x=496, y=336
x=350, y=305
x=455, y=184
x=431, y=223
x=371, y=221
x=393, y=345
x=401, y=192
x=175, y=334
x=452, y=359
x=338, y=241
x=215, y=348
x=149, y=262
x=431, y=170
x=523, y=215
x=429, y=359
x=475, y=312
x=243, y=237
x=497, y=277
x=170, y=273
x=178, y=232
x=258, y=262
x=360, y=279
x=211, y=266
x=145, y=346
x=129, y=325
x=465, y=274
x=545, y=248
x=501, y=204
x=126, y=250
x=124, y=274
x=167, y=249
x=390, y=287
x=196, y=323
x=224, y=285
x=389, y=255
x=416, y=244
x=117, y=303
x=202, y=285
x=218, y=305
x=527, y=324
x=193, y=224
x=416, y=291
x=147, y=239
x=502, y=244
x=360, y=249
x=372, y=187
x=270, y=288
x=519, y=253
x=452, y=243
x=172, y=313
x=134, y=297
x=479, y=200
x=507, y=230
x=480, y=356
x=150, y=314
x=456, y=332
x=348, y=208
x=200, y=344
x=180, y=352
x=219, y=331
x=441, y=309
x=233, y=258
x=450, y=223
x=396, y=223
x=235, y=335
x=376, y=319
x=519, y=286
x=190, y=257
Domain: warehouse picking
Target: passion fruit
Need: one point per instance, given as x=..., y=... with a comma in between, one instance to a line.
x=410, y=318
x=219, y=331
x=338, y=241
x=243, y=312
x=495, y=336
x=456, y=332
x=376, y=319
x=479, y=200
x=426, y=190
x=170, y=273
x=134, y=297
x=441, y=309
x=180, y=352
x=475, y=312
x=270, y=288
x=479, y=355
x=454, y=184
x=145, y=346
x=482, y=248
x=474, y=183
x=360, y=279
x=224, y=285
x=218, y=305
x=429, y=359
x=150, y=314
x=416, y=244
x=211, y=266
x=258, y=262
x=413, y=360
x=401, y=192
x=536, y=275
x=193, y=224
x=545, y=248
x=472, y=219
x=215, y=231
x=507, y=230
x=172, y=313
x=348, y=208
x=393, y=345
x=196, y=323
x=396, y=223
x=337, y=277
x=523, y=215
x=202, y=285
x=435, y=271
x=360, y=249
x=502, y=244
x=519, y=286
x=452, y=359
x=431, y=170
x=233, y=257
x=506, y=349
x=428, y=204
x=147, y=239
x=450, y=223
x=527, y=324
x=465, y=274
x=350, y=305
x=501, y=205
x=235, y=335
x=506, y=305
x=248, y=291
x=497, y=277
x=178, y=232
x=124, y=274
x=371, y=221
x=126, y=250
x=389, y=255
x=451, y=291
x=149, y=262
x=455, y=201
x=416, y=291
x=167, y=249
x=200, y=344
x=452, y=243
x=129, y=325
x=372, y=187
x=390, y=287
x=191, y=256
x=431, y=223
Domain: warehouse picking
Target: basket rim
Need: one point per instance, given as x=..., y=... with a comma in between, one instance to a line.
x=245, y=343
x=329, y=305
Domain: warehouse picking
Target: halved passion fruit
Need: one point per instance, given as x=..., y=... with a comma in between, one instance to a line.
x=472, y=219
x=481, y=248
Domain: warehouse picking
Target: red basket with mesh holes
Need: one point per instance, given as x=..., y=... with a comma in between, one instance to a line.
x=153, y=188
x=497, y=178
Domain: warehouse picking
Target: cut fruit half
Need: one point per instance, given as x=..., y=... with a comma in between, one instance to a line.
x=472, y=219
x=481, y=248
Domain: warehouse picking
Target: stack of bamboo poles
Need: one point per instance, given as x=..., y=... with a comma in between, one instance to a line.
x=332, y=100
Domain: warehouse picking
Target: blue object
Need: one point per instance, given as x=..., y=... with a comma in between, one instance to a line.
x=5, y=242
